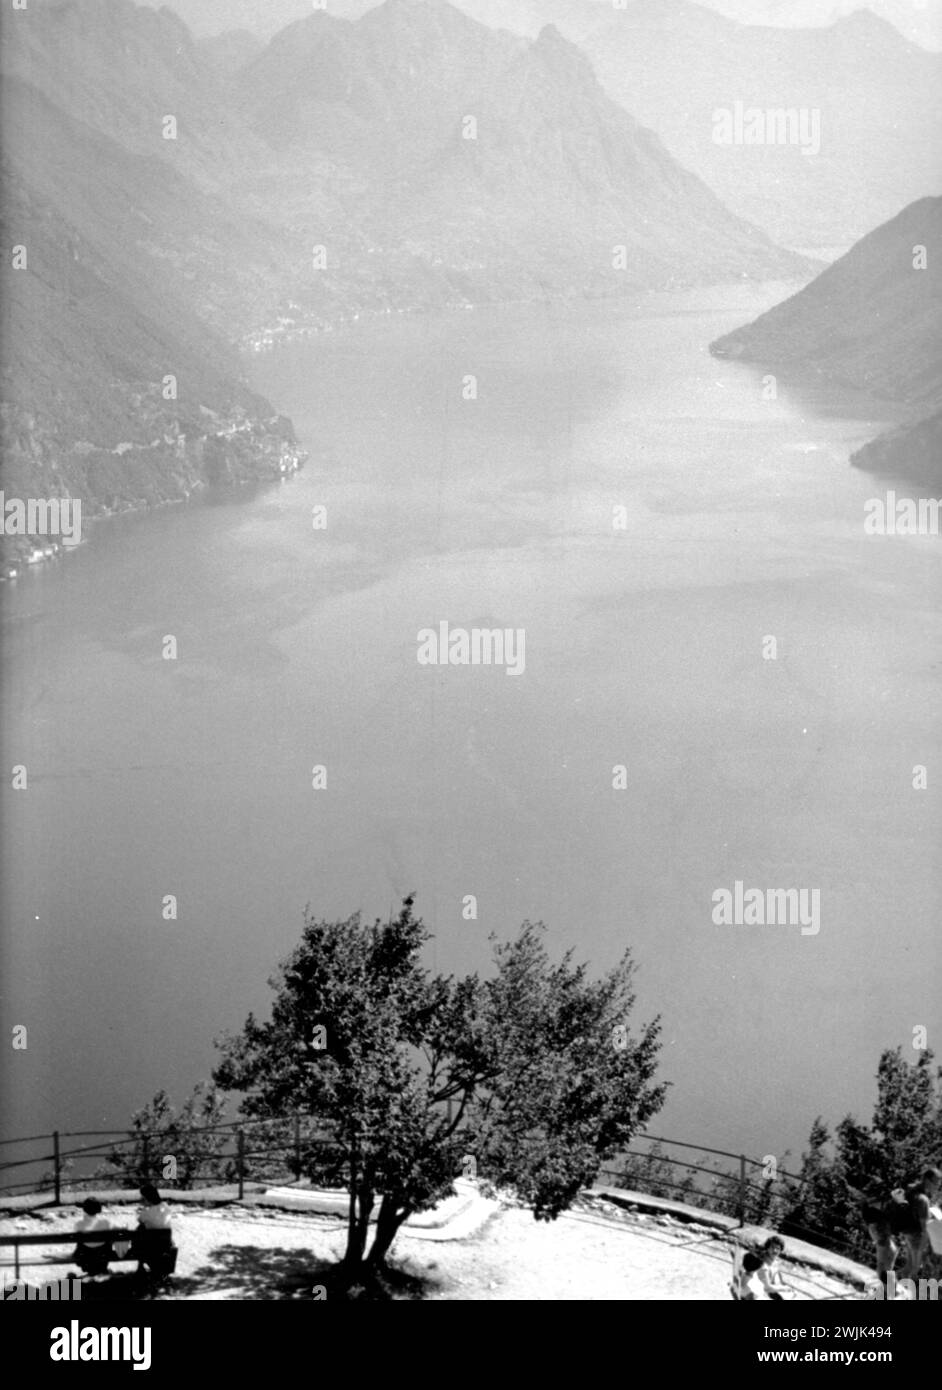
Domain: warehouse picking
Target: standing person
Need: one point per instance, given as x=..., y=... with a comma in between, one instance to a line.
x=900, y=1222
x=876, y=1217
x=919, y=1199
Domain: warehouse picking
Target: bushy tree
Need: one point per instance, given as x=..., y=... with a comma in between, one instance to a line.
x=531, y=1073
x=563, y=1086
x=818, y=1205
x=171, y=1148
x=902, y=1138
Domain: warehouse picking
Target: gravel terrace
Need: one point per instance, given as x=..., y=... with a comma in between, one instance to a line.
x=596, y=1251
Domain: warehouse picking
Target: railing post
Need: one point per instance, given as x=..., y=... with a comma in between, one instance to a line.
x=146, y=1158
x=297, y=1147
x=742, y=1190
x=240, y=1161
x=56, y=1170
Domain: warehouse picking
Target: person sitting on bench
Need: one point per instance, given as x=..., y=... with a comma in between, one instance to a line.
x=153, y=1242
x=92, y=1256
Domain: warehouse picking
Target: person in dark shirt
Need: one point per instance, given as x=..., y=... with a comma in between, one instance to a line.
x=900, y=1222
x=153, y=1240
x=919, y=1199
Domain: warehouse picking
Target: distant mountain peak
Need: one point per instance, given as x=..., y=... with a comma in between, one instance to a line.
x=549, y=34
x=91, y=12
x=418, y=11
x=864, y=18
x=866, y=23
x=553, y=49
x=105, y=23
x=415, y=7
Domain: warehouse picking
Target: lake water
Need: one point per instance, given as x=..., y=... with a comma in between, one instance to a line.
x=644, y=648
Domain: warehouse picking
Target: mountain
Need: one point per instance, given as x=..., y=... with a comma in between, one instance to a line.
x=871, y=321
x=261, y=17
x=265, y=18
x=151, y=257
x=349, y=136
x=131, y=77
x=486, y=159
x=228, y=52
x=574, y=18
x=123, y=69
x=130, y=279
x=675, y=64
x=913, y=452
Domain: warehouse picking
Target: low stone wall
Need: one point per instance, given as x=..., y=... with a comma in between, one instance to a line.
x=797, y=1251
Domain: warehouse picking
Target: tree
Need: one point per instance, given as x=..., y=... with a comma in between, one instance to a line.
x=170, y=1148
x=817, y=1202
x=903, y=1137
x=532, y=1072
x=563, y=1086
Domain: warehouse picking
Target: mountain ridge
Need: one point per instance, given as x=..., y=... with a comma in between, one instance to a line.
x=675, y=66
x=97, y=327
x=541, y=122
x=871, y=321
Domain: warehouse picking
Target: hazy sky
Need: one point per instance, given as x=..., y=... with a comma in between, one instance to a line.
x=919, y=19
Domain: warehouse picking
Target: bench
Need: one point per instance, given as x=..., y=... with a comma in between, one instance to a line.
x=150, y=1247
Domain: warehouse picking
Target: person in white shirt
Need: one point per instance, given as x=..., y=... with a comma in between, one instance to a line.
x=153, y=1214
x=760, y=1275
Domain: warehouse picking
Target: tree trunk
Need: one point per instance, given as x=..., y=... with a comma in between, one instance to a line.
x=390, y=1218
x=350, y=1259
x=365, y=1199
x=358, y=1229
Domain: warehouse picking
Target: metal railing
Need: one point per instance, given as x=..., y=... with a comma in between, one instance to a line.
x=740, y=1176
x=742, y=1189
x=297, y=1133
x=285, y=1151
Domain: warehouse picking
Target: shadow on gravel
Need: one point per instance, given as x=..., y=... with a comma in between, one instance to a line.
x=123, y=1288
x=265, y=1274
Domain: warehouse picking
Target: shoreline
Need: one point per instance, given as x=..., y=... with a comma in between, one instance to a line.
x=30, y=551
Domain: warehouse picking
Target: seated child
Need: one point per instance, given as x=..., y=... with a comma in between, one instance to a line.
x=760, y=1275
